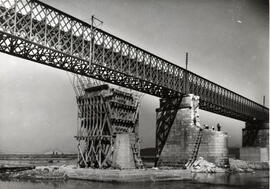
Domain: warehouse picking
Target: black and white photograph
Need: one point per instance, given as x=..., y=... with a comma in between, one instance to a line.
x=134, y=94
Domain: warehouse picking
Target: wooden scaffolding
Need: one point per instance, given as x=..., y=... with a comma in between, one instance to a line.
x=104, y=112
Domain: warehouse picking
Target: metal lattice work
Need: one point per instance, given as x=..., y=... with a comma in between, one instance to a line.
x=165, y=117
x=35, y=31
x=250, y=135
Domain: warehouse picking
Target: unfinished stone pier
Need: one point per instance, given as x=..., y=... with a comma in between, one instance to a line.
x=185, y=133
x=107, y=132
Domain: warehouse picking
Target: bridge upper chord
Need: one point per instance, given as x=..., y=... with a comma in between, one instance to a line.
x=35, y=31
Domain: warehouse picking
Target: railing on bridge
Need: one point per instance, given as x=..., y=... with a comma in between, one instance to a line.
x=35, y=31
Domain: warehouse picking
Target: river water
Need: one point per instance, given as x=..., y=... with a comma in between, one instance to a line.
x=258, y=180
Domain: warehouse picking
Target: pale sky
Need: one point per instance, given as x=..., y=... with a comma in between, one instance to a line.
x=227, y=41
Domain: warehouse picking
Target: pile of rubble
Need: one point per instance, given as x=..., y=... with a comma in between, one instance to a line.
x=203, y=166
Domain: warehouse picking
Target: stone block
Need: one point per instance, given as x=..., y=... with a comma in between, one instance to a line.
x=254, y=154
x=123, y=156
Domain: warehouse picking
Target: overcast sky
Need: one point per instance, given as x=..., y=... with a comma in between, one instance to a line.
x=227, y=41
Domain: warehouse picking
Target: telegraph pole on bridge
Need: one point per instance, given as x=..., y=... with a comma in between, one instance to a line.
x=186, y=75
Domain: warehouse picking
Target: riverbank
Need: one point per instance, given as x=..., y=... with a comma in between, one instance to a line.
x=101, y=175
x=63, y=168
x=70, y=172
x=201, y=181
x=133, y=175
x=18, y=160
x=237, y=165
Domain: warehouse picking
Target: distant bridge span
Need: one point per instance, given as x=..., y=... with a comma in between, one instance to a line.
x=38, y=32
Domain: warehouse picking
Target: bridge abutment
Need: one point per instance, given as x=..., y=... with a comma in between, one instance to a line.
x=182, y=137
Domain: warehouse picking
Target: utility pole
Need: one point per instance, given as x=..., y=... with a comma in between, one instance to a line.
x=186, y=75
x=94, y=26
x=186, y=60
x=263, y=100
x=91, y=41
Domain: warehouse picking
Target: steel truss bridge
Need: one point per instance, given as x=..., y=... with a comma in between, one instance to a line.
x=38, y=32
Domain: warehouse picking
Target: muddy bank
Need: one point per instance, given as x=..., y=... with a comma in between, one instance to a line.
x=6, y=169
x=102, y=175
x=63, y=172
x=13, y=160
x=33, y=173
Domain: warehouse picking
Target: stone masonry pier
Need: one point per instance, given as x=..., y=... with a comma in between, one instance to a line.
x=182, y=137
x=255, y=142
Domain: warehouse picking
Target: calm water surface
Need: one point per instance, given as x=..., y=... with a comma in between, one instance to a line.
x=259, y=180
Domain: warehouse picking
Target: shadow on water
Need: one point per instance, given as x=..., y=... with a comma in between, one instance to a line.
x=259, y=180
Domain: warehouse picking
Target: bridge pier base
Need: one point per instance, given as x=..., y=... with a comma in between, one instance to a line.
x=123, y=155
x=182, y=136
x=255, y=142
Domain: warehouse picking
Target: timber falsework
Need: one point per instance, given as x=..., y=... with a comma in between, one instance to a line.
x=104, y=112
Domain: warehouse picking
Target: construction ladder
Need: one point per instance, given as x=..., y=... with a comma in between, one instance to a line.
x=195, y=150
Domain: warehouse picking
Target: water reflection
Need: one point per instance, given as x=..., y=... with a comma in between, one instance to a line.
x=237, y=179
x=200, y=181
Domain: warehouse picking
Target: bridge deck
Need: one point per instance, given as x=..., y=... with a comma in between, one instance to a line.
x=35, y=31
